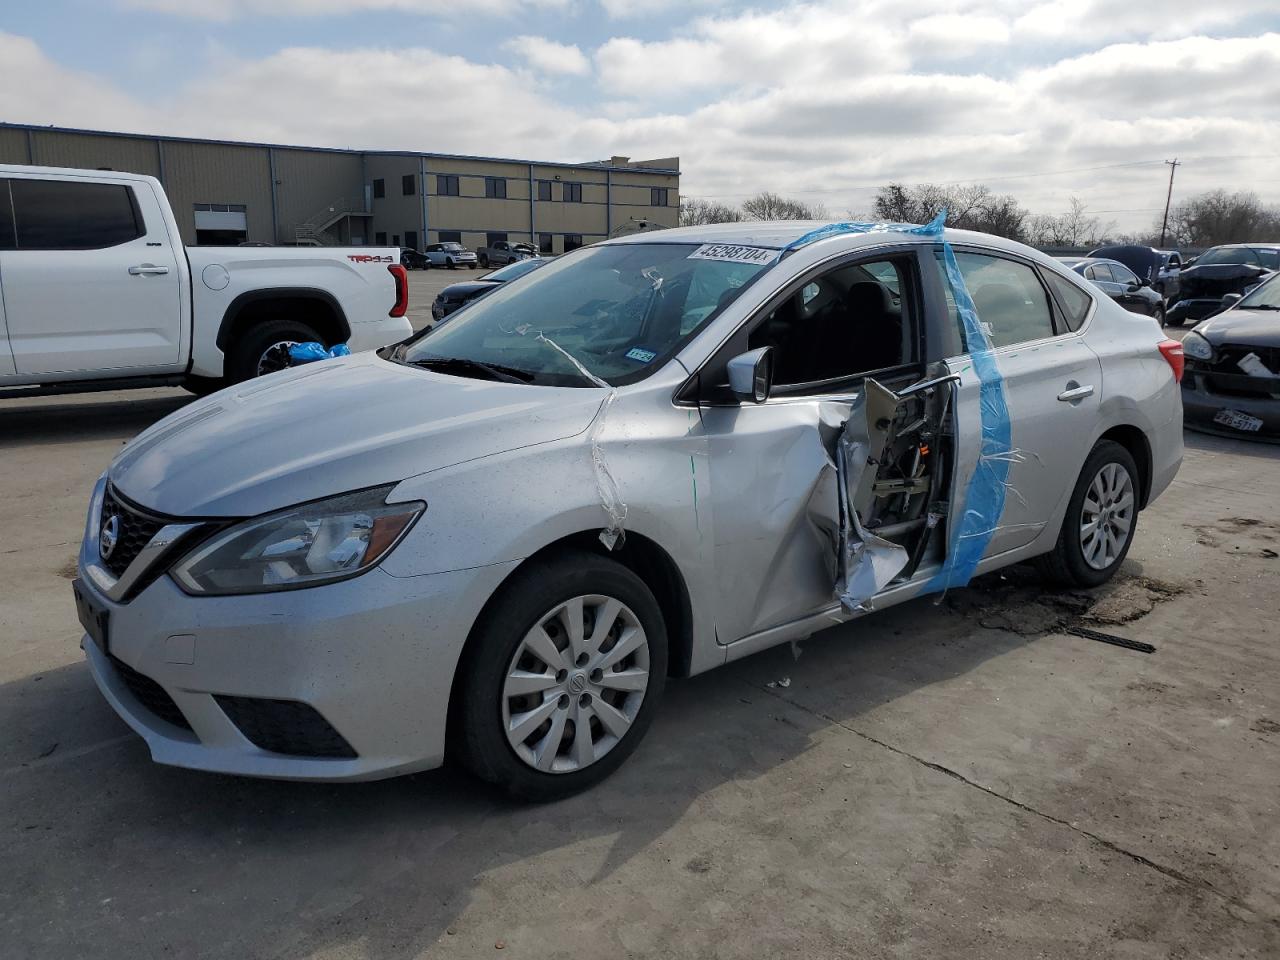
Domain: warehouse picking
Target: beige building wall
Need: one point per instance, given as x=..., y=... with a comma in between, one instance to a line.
x=308, y=182
x=614, y=194
x=218, y=173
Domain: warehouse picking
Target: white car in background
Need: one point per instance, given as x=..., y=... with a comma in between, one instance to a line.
x=645, y=459
x=451, y=255
x=98, y=292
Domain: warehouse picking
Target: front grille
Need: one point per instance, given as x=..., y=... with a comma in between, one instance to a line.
x=1226, y=377
x=136, y=530
x=150, y=694
x=286, y=726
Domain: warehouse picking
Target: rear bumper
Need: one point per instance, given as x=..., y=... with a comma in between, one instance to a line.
x=371, y=334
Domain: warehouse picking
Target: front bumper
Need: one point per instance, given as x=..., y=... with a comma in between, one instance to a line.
x=1200, y=405
x=373, y=656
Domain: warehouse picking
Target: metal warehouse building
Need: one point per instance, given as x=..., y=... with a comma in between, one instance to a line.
x=226, y=192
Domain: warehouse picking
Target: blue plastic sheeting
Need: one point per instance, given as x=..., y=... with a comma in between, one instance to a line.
x=983, y=504
x=311, y=351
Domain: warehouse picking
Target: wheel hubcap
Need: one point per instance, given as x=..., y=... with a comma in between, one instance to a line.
x=575, y=684
x=1106, y=519
x=275, y=357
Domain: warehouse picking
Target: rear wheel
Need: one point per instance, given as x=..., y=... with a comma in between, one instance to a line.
x=562, y=677
x=262, y=348
x=1101, y=519
x=484, y=261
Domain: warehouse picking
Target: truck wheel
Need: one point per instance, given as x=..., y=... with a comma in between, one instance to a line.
x=484, y=261
x=257, y=351
x=561, y=677
x=1102, y=517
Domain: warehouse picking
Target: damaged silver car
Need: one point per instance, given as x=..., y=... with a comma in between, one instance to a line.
x=648, y=458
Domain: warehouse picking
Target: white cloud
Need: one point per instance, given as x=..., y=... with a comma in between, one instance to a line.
x=237, y=9
x=547, y=56
x=824, y=100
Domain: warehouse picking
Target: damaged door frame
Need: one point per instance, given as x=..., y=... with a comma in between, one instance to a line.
x=935, y=339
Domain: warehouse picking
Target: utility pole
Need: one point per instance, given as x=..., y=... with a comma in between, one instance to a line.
x=1164, y=227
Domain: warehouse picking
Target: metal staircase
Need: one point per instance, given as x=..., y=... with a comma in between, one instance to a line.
x=315, y=228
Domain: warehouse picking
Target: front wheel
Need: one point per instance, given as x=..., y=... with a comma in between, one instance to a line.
x=561, y=678
x=1101, y=519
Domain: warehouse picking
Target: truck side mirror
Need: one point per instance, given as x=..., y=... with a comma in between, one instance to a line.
x=751, y=375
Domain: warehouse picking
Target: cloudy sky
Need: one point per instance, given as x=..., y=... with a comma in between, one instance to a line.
x=820, y=100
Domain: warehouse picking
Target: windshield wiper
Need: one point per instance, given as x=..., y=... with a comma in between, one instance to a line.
x=495, y=371
x=1259, y=306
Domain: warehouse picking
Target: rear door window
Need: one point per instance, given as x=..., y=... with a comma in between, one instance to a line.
x=1075, y=302
x=7, y=239
x=1101, y=272
x=72, y=215
x=1012, y=304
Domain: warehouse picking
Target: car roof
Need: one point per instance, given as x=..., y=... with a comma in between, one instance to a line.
x=779, y=234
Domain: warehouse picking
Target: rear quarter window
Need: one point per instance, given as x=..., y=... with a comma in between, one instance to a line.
x=1074, y=302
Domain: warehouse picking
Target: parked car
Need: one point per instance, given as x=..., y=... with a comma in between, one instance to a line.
x=1232, y=268
x=98, y=289
x=414, y=259
x=650, y=457
x=1121, y=284
x=504, y=251
x=450, y=255
x=1232, y=382
x=1160, y=268
x=456, y=294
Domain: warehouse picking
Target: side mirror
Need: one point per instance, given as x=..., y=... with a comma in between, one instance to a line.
x=1188, y=263
x=1231, y=299
x=751, y=375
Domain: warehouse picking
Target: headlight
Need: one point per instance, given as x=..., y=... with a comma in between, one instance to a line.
x=1194, y=345
x=303, y=546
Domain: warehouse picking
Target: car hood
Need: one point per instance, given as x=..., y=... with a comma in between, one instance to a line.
x=330, y=427
x=1253, y=328
x=456, y=291
x=1215, y=280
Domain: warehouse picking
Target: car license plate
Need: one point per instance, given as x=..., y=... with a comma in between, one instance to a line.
x=1237, y=420
x=92, y=616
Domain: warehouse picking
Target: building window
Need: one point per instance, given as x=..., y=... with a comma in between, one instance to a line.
x=67, y=215
x=571, y=193
x=657, y=196
x=572, y=241
x=395, y=239
x=380, y=238
x=449, y=236
x=447, y=185
x=495, y=188
x=409, y=184
x=491, y=238
x=544, y=190
x=379, y=189
x=546, y=243
x=411, y=239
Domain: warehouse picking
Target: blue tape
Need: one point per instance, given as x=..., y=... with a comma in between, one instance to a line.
x=311, y=351
x=983, y=504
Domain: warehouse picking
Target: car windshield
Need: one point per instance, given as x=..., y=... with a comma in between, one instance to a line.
x=1264, y=297
x=1229, y=255
x=513, y=270
x=610, y=313
x=450, y=246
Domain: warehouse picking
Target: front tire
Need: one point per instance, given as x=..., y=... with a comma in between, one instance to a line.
x=1101, y=519
x=561, y=677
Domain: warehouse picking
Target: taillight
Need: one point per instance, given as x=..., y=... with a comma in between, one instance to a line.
x=402, y=290
x=1172, y=352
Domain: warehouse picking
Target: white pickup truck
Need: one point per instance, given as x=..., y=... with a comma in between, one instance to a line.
x=97, y=291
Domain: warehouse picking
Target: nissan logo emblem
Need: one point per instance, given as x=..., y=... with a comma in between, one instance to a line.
x=577, y=683
x=109, y=536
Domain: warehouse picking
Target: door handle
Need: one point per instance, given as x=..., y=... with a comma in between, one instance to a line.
x=1075, y=392
x=147, y=270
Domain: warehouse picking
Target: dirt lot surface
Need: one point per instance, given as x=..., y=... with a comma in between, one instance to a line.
x=945, y=779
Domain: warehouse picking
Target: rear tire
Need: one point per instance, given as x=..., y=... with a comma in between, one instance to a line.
x=1100, y=522
x=244, y=358
x=587, y=713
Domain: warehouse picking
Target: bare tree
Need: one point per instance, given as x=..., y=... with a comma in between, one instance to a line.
x=968, y=207
x=771, y=206
x=1074, y=228
x=695, y=212
x=1221, y=217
